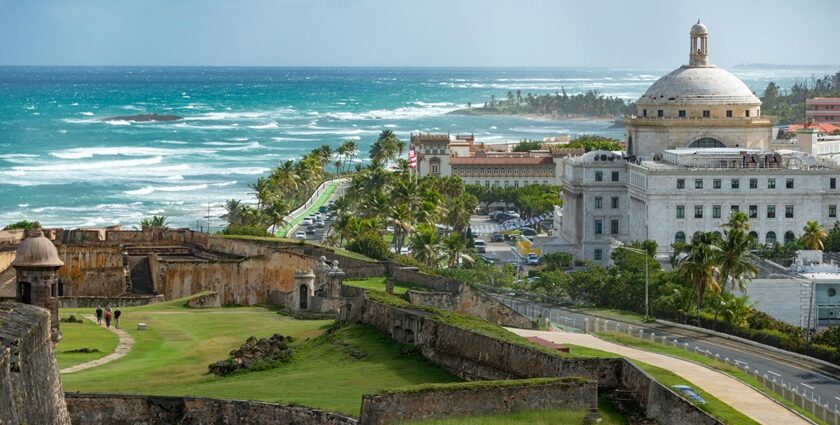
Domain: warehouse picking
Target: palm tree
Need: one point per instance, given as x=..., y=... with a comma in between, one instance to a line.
x=386, y=147
x=325, y=154
x=738, y=221
x=276, y=214
x=426, y=246
x=284, y=177
x=814, y=235
x=700, y=267
x=261, y=188
x=454, y=246
x=155, y=222
x=346, y=151
x=233, y=214
x=733, y=263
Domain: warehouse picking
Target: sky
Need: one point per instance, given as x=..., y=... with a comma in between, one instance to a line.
x=426, y=33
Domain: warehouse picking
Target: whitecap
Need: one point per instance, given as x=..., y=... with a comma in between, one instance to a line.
x=23, y=205
x=17, y=155
x=242, y=170
x=264, y=126
x=152, y=189
x=117, y=122
x=87, y=114
x=291, y=139
x=174, y=142
x=84, y=166
x=223, y=184
x=390, y=126
x=80, y=153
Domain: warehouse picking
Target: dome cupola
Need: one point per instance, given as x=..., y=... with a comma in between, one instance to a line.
x=36, y=251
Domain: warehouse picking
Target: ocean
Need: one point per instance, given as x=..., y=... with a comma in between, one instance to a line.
x=61, y=164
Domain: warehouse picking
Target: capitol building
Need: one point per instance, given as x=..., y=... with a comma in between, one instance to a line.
x=697, y=149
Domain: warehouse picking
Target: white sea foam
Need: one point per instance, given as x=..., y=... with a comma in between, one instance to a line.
x=87, y=114
x=403, y=113
x=117, y=122
x=80, y=153
x=223, y=184
x=242, y=170
x=338, y=131
x=539, y=130
x=174, y=142
x=17, y=156
x=291, y=139
x=80, y=121
x=89, y=166
x=264, y=126
x=206, y=127
x=23, y=205
x=148, y=190
x=390, y=126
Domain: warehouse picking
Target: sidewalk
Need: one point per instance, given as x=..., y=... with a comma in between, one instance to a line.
x=124, y=346
x=729, y=390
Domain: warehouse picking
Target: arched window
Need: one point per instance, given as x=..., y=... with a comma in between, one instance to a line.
x=789, y=236
x=770, y=239
x=679, y=238
x=707, y=142
x=754, y=236
x=697, y=235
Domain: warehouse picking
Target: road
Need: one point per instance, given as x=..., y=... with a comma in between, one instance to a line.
x=813, y=379
x=321, y=232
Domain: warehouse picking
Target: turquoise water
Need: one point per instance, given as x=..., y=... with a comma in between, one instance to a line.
x=62, y=165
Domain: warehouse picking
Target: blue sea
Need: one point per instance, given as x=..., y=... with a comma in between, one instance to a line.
x=61, y=164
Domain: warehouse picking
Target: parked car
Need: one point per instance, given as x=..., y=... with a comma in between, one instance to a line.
x=533, y=259
x=323, y=209
x=690, y=393
x=486, y=259
x=527, y=231
x=497, y=237
x=300, y=235
x=480, y=246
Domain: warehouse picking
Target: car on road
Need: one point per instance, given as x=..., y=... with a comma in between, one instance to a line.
x=310, y=230
x=319, y=223
x=323, y=209
x=300, y=235
x=306, y=222
x=533, y=259
x=527, y=231
x=690, y=393
x=480, y=246
x=497, y=237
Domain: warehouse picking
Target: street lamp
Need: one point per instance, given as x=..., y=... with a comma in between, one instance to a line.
x=647, y=281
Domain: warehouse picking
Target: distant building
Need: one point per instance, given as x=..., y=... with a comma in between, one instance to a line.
x=823, y=110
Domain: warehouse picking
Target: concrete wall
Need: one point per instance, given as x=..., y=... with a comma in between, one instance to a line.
x=117, y=409
x=572, y=394
x=91, y=270
x=31, y=390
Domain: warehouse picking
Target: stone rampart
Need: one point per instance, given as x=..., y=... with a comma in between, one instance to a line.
x=484, y=398
x=91, y=270
x=434, y=283
x=659, y=401
x=31, y=390
x=117, y=409
x=125, y=300
x=6, y=257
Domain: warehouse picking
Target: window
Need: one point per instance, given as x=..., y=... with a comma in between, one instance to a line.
x=715, y=211
x=614, y=227
x=729, y=114
x=680, y=183
x=506, y=183
x=789, y=236
x=680, y=211
x=753, y=183
x=789, y=184
x=644, y=112
x=487, y=183
x=598, y=254
x=615, y=176
x=770, y=239
x=597, y=202
x=516, y=183
x=525, y=183
x=614, y=202
x=734, y=208
x=698, y=211
x=496, y=183
x=748, y=113
x=660, y=113
x=707, y=142
x=753, y=211
x=716, y=183
x=753, y=236
x=679, y=237
x=832, y=211
x=599, y=176
x=771, y=211
x=435, y=169
x=736, y=184
x=682, y=113
x=706, y=114
x=771, y=183
x=788, y=211
x=599, y=227
x=832, y=183
x=698, y=183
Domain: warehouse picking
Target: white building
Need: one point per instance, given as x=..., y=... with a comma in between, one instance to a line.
x=700, y=154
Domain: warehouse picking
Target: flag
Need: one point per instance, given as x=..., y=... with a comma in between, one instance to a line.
x=412, y=159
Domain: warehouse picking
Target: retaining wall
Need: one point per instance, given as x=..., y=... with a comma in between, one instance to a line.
x=392, y=408
x=6, y=258
x=30, y=389
x=118, y=409
x=660, y=402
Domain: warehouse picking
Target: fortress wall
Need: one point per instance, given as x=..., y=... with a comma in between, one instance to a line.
x=119, y=409
x=6, y=258
x=398, y=407
x=91, y=270
x=31, y=390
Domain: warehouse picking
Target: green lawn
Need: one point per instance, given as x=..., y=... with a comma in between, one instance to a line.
x=77, y=336
x=544, y=417
x=378, y=284
x=328, y=191
x=733, y=371
x=171, y=358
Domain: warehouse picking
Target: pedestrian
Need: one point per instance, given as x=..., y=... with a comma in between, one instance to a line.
x=107, y=318
x=99, y=315
x=107, y=307
x=117, y=314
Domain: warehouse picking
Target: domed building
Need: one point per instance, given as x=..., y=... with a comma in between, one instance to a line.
x=697, y=105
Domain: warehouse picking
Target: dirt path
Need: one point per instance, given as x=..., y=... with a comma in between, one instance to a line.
x=123, y=347
x=731, y=391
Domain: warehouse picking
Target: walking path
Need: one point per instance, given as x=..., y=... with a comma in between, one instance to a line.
x=124, y=346
x=731, y=391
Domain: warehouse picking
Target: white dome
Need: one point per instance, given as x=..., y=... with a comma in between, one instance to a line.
x=698, y=85
x=699, y=29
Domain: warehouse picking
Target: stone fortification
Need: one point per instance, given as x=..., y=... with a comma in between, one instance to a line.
x=91, y=270
x=479, y=398
x=30, y=389
x=117, y=409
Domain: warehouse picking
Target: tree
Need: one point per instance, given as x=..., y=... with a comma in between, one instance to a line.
x=527, y=146
x=454, y=246
x=700, y=267
x=261, y=190
x=426, y=246
x=814, y=235
x=233, y=214
x=386, y=147
x=733, y=264
x=346, y=151
x=276, y=213
x=155, y=222
x=23, y=224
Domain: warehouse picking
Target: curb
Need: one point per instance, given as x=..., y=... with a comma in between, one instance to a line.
x=751, y=343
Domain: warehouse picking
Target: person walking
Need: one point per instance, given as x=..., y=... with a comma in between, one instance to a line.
x=99, y=315
x=107, y=318
x=117, y=314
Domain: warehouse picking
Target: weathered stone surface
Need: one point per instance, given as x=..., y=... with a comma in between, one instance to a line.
x=255, y=352
x=116, y=409
x=210, y=299
x=91, y=270
x=30, y=389
x=125, y=300
x=660, y=402
x=382, y=409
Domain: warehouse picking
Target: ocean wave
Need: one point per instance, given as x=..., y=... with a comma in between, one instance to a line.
x=17, y=156
x=206, y=127
x=264, y=126
x=81, y=153
x=539, y=130
x=242, y=170
x=174, y=177
x=148, y=190
x=402, y=113
x=223, y=184
x=77, y=166
x=338, y=131
x=23, y=205
x=117, y=122
x=174, y=142
x=291, y=139
x=80, y=121
x=87, y=114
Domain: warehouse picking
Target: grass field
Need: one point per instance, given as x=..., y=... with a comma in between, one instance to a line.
x=77, y=336
x=378, y=284
x=171, y=358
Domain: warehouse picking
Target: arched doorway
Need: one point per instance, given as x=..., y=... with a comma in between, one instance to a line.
x=770, y=239
x=680, y=237
x=707, y=142
x=789, y=237
x=303, y=293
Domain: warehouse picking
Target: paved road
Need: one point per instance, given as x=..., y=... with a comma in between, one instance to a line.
x=321, y=232
x=815, y=380
x=731, y=391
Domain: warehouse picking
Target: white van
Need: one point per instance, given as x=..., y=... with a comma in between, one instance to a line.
x=480, y=246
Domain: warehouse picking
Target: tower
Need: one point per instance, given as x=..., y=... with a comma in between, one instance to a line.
x=699, y=55
x=37, y=263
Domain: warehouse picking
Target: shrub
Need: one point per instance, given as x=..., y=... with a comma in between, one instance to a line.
x=371, y=244
x=23, y=224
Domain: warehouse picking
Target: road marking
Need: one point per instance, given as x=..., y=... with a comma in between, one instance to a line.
x=774, y=373
x=806, y=385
